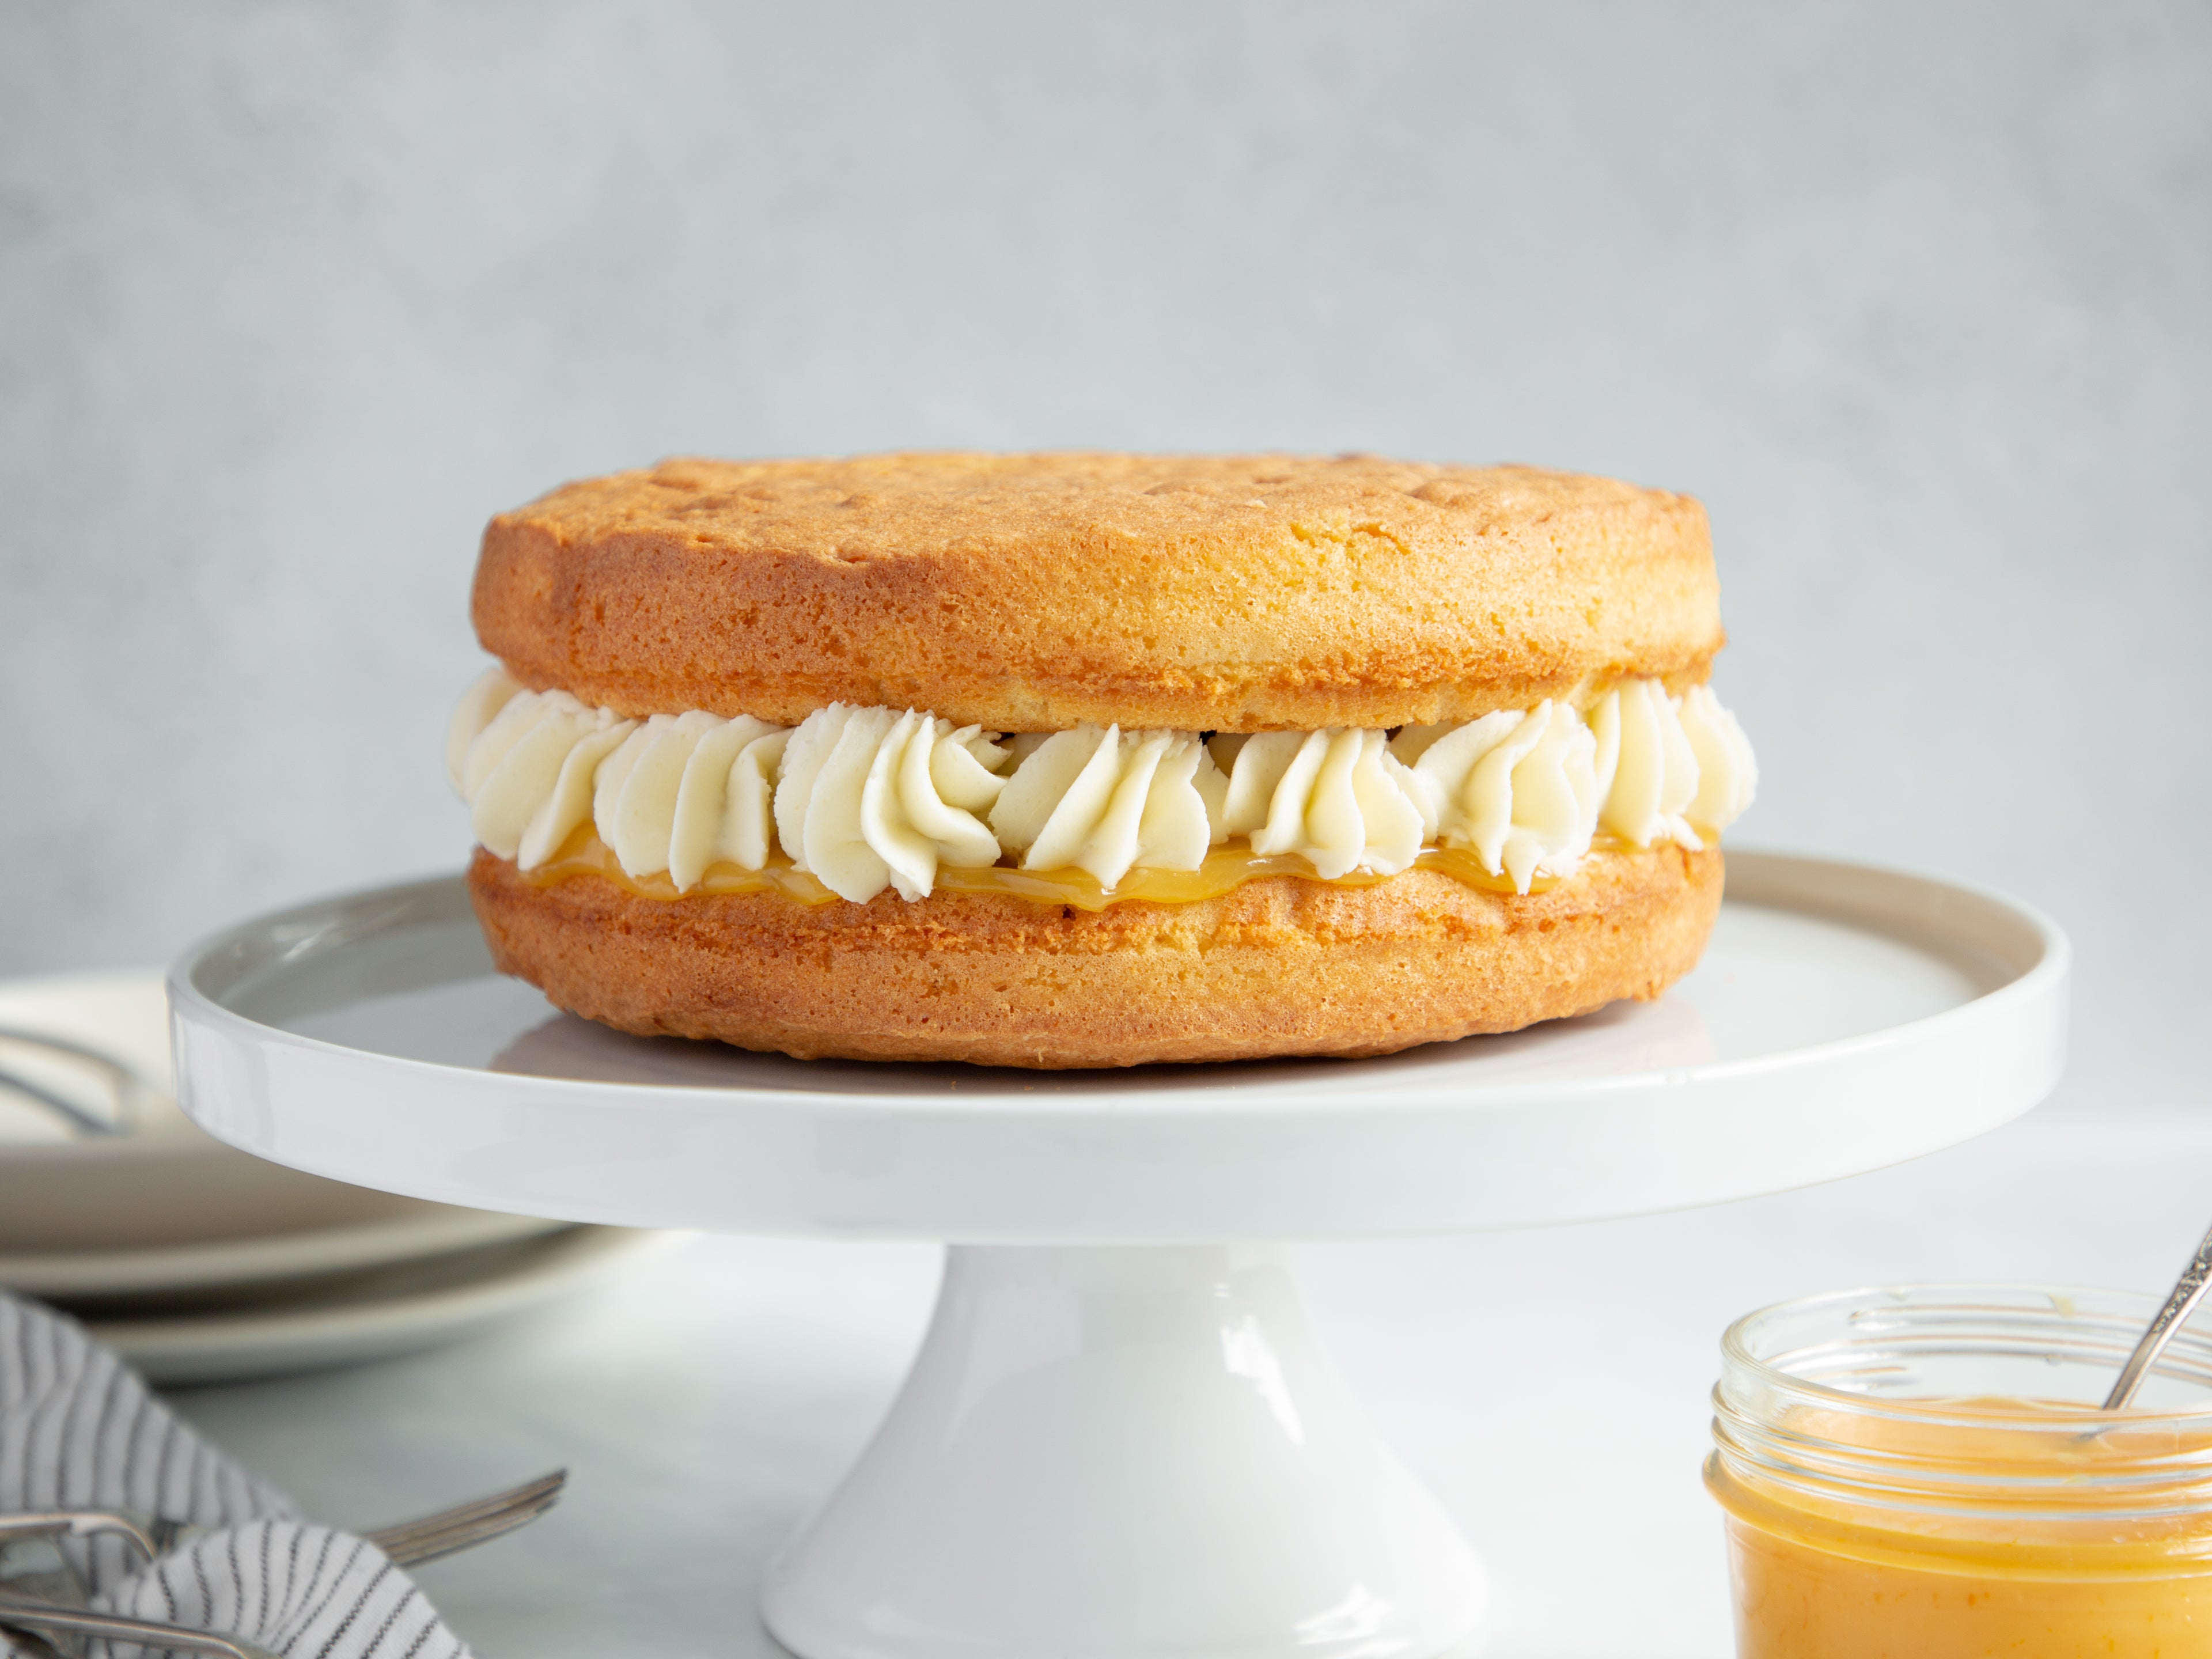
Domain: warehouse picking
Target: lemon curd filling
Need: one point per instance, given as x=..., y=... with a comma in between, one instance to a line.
x=853, y=800
x=2004, y=1529
x=1224, y=871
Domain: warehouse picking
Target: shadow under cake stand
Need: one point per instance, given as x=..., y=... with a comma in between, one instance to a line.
x=1119, y=1438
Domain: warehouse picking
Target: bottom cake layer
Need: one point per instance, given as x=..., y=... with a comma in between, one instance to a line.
x=1281, y=965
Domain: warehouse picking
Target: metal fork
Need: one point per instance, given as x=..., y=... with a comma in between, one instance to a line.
x=464, y=1526
x=129, y=1088
x=37, y=1616
x=406, y=1543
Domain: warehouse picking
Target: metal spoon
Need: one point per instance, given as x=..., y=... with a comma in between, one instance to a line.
x=2188, y=1291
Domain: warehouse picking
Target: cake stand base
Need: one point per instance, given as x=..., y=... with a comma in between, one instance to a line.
x=1124, y=1451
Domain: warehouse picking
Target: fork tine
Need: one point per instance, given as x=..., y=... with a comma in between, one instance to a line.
x=414, y=1551
x=438, y=1546
x=413, y=1542
x=526, y=1506
x=541, y=1491
x=409, y=1543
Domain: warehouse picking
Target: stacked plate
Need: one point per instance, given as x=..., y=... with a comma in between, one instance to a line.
x=200, y=1263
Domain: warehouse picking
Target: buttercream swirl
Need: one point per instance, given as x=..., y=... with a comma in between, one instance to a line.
x=1671, y=769
x=686, y=792
x=1519, y=789
x=1647, y=771
x=1728, y=775
x=1339, y=800
x=527, y=770
x=870, y=800
x=1103, y=800
x=487, y=693
x=866, y=799
x=675, y=793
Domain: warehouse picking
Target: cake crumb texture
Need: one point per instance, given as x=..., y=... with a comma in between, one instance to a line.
x=1037, y=592
x=1279, y=966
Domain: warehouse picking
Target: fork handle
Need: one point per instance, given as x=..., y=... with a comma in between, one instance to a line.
x=145, y=1532
x=76, y=1621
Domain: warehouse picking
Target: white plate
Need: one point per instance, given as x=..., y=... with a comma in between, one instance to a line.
x=236, y=1266
x=1843, y=1017
x=402, y=1311
x=167, y=1210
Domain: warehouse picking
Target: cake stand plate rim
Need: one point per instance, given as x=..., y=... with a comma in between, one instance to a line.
x=1328, y=1149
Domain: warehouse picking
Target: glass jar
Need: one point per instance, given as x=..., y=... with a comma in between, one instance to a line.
x=1924, y=1473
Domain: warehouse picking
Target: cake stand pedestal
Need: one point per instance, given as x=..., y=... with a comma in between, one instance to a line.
x=1119, y=1438
x=1127, y=1451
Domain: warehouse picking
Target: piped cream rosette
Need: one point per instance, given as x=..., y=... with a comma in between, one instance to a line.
x=866, y=799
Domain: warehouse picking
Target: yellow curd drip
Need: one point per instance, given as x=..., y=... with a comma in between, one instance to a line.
x=2074, y=1543
x=1225, y=869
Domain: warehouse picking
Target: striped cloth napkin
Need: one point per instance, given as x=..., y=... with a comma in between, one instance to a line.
x=79, y=1429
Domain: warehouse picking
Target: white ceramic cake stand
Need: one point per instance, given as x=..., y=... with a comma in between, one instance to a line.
x=1119, y=1438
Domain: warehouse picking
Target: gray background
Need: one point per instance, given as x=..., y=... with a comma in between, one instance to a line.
x=292, y=299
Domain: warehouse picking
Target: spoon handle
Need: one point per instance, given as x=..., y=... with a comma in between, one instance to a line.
x=2188, y=1291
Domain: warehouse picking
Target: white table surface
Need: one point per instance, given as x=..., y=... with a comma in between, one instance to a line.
x=706, y=1401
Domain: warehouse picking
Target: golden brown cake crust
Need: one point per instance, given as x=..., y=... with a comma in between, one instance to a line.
x=1279, y=966
x=1033, y=592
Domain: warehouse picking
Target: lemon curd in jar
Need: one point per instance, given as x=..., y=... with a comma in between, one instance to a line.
x=1925, y=1473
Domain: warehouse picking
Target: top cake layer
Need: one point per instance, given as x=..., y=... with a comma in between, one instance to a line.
x=1036, y=593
